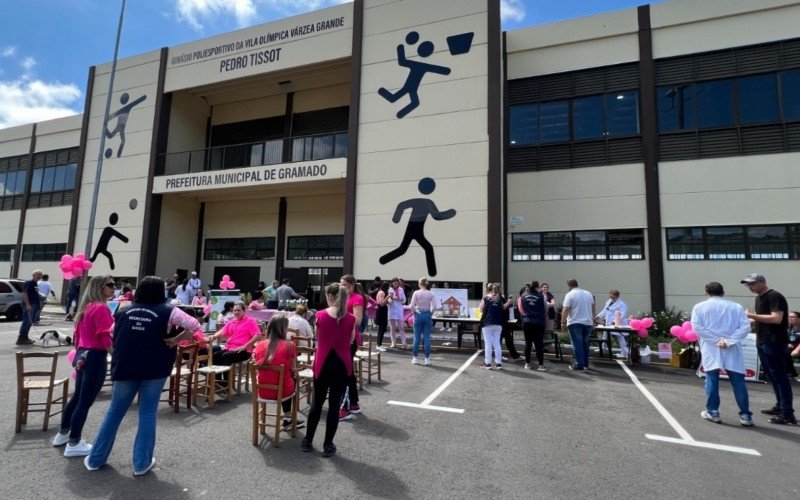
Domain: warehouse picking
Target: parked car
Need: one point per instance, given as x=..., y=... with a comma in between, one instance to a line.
x=11, y=299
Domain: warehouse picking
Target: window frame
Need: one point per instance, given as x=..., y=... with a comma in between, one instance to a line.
x=791, y=240
x=293, y=247
x=237, y=247
x=573, y=246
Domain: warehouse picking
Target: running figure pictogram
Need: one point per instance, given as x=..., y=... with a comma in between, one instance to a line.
x=122, y=120
x=108, y=233
x=416, y=72
x=421, y=208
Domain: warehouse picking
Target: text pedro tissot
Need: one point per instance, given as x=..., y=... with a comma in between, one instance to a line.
x=212, y=180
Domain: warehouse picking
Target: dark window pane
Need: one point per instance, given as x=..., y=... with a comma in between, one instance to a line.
x=526, y=246
x=2, y=183
x=790, y=89
x=714, y=103
x=522, y=125
x=758, y=99
x=36, y=183
x=323, y=147
x=341, y=145
x=58, y=181
x=69, y=175
x=557, y=246
x=725, y=242
x=622, y=113
x=768, y=242
x=587, y=118
x=553, y=122
x=685, y=243
x=675, y=108
x=19, y=184
x=794, y=236
x=47, y=179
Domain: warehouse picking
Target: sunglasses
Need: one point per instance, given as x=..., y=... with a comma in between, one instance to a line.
x=110, y=285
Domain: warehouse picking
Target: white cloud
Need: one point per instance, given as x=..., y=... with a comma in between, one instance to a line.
x=512, y=10
x=9, y=51
x=28, y=101
x=197, y=12
x=28, y=63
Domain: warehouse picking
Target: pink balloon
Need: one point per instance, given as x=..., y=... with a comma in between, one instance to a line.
x=410, y=320
x=231, y=285
x=77, y=270
x=65, y=266
x=80, y=256
x=690, y=336
x=647, y=322
x=71, y=355
x=676, y=330
x=66, y=258
x=207, y=309
x=643, y=333
x=68, y=275
x=225, y=277
x=687, y=325
x=87, y=264
x=223, y=285
x=636, y=324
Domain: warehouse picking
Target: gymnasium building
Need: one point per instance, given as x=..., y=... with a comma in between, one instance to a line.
x=649, y=150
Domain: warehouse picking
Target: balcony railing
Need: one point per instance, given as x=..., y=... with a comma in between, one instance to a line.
x=255, y=154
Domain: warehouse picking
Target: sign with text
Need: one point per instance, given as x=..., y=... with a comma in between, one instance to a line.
x=451, y=302
x=332, y=168
x=664, y=350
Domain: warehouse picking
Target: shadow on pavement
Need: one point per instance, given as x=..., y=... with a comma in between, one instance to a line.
x=371, y=480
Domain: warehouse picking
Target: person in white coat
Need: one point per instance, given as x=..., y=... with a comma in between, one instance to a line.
x=615, y=313
x=722, y=326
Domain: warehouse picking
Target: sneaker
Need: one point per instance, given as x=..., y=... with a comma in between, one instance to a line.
x=710, y=417
x=504, y=358
x=89, y=467
x=344, y=415
x=414, y=360
x=542, y=368
x=80, y=449
x=486, y=367
x=577, y=368
x=427, y=361
x=305, y=445
x=61, y=439
x=498, y=367
x=355, y=408
x=527, y=366
x=287, y=424
x=449, y=329
x=619, y=355
x=24, y=341
x=746, y=420
x=381, y=348
x=781, y=420
x=772, y=411
x=146, y=470
x=328, y=450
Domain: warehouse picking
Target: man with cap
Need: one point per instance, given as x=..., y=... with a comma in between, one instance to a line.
x=194, y=284
x=771, y=319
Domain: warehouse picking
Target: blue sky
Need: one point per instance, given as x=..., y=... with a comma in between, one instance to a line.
x=47, y=46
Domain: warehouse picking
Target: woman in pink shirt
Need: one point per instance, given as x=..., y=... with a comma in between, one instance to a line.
x=200, y=298
x=332, y=365
x=242, y=332
x=356, y=307
x=93, y=327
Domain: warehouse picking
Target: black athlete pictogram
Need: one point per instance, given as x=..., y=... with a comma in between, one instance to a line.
x=421, y=208
x=108, y=233
x=122, y=119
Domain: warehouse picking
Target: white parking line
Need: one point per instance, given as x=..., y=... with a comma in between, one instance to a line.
x=685, y=437
x=426, y=404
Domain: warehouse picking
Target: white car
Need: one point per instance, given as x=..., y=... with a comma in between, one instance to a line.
x=11, y=298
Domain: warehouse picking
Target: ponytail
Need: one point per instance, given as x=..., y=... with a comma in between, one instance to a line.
x=339, y=293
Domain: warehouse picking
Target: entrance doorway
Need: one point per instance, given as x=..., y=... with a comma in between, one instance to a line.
x=311, y=281
x=246, y=278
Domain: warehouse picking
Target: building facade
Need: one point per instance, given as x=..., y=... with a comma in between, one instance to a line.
x=648, y=150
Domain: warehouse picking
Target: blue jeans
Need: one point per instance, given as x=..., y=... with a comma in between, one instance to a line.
x=773, y=360
x=27, y=320
x=72, y=298
x=422, y=329
x=121, y=398
x=579, y=336
x=88, y=383
x=739, y=392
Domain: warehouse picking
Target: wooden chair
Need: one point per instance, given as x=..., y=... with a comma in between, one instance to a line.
x=262, y=418
x=181, y=380
x=240, y=372
x=305, y=374
x=373, y=361
x=38, y=380
x=205, y=381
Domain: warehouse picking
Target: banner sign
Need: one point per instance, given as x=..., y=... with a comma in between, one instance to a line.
x=751, y=363
x=451, y=303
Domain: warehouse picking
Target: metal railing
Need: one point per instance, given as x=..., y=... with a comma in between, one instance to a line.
x=255, y=154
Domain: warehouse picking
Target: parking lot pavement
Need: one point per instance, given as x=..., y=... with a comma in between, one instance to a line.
x=524, y=434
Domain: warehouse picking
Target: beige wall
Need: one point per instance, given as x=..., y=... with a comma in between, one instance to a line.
x=187, y=123
x=15, y=141
x=445, y=138
x=59, y=133
x=322, y=98
x=177, y=237
x=250, y=109
x=321, y=215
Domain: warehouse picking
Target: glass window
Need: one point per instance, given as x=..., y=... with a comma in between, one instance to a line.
x=685, y=243
x=714, y=103
x=315, y=248
x=625, y=244
x=58, y=182
x=794, y=236
x=19, y=187
x=587, y=118
x=675, y=108
x=69, y=175
x=790, y=89
x=323, y=147
x=48, y=178
x=239, y=249
x=36, y=183
x=758, y=99
x=768, y=242
x=341, y=145
x=590, y=245
x=2, y=183
x=725, y=242
x=622, y=113
x=523, y=125
x=526, y=246
x=553, y=122
x=557, y=246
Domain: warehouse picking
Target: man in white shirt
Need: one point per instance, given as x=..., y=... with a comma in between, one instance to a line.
x=45, y=290
x=194, y=285
x=614, y=306
x=722, y=326
x=578, y=318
